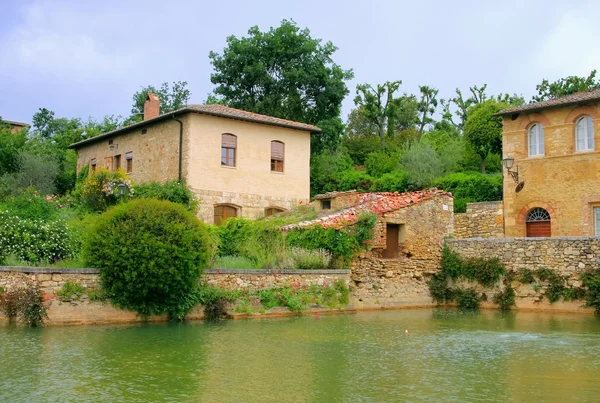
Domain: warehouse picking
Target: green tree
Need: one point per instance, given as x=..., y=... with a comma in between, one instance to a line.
x=285, y=73
x=427, y=105
x=10, y=146
x=565, y=86
x=171, y=98
x=378, y=106
x=483, y=130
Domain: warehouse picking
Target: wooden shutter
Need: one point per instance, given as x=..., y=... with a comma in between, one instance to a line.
x=277, y=150
x=228, y=141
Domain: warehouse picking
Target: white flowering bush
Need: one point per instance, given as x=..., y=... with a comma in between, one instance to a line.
x=33, y=240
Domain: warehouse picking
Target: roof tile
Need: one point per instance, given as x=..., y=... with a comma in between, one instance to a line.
x=578, y=97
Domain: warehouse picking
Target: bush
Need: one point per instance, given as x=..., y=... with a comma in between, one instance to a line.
x=422, y=164
x=360, y=146
x=353, y=179
x=24, y=304
x=150, y=254
x=380, y=163
x=30, y=204
x=234, y=263
x=33, y=241
x=39, y=172
x=505, y=299
x=100, y=189
x=472, y=187
x=304, y=259
x=325, y=170
x=396, y=181
x=232, y=234
x=467, y=299
x=173, y=191
x=70, y=291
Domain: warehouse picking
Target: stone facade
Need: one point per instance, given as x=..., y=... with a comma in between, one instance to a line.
x=563, y=181
x=249, y=187
x=49, y=280
x=402, y=281
x=482, y=220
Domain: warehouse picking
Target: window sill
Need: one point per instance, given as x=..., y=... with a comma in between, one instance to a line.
x=533, y=157
x=584, y=151
x=228, y=167
x=278, y=173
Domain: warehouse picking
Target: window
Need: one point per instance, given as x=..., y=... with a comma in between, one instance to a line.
x=117, y=162
x=108, y=163
x=536, y=140
x=228, y=147
x=93, y=164
x=325, y=204
x=584, y=134
x=597, y=221
x=129, y=162
x=537, y=222
x=223, y=212
x=277, y=155
x=273, y=210
x=144, y=131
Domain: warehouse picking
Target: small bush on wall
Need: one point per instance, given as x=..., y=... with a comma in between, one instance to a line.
x=150, y=254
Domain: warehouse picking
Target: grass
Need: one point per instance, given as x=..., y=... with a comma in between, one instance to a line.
x=12, y=260
x=234, y=263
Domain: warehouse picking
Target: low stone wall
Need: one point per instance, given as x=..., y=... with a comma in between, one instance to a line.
x=482, y=220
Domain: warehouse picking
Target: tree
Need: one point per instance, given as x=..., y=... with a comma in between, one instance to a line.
x=565, y=86
x=483, y=130
x=378, y=107
x=10, y=146
x=171, y=98
x=426, y=107
x=284, y=73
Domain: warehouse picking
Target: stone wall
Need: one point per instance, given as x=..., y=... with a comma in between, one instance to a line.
x=481, y=220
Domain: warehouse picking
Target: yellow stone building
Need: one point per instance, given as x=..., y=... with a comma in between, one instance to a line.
x=239, y=163
x=552, y=186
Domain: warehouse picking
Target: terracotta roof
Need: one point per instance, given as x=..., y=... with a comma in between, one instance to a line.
x=378, y=203
x=212, y=110
x=10, y=122
x=579, y=97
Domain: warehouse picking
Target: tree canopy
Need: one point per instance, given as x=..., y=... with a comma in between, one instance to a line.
x=171, y=98
x=483, y=130
x=565, y=86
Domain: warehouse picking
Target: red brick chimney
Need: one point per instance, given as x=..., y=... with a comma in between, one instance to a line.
x=151, y=106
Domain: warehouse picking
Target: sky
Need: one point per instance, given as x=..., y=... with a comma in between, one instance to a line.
x=82, y=58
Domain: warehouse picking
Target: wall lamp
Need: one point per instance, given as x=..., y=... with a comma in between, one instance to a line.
x=508, y=163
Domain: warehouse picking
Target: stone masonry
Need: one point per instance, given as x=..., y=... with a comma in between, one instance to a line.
x=482, y=220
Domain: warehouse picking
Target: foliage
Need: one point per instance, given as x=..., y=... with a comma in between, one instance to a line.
x=31, y=171
x=377, y=106
x=355, y=180
x=358, y=148
x=483, y=129
x=467, y=299
x=471, y=187
x=341, y=243
x=305, y=259
x=426, y=108
x=422, y=165
x=24, y=304
x=591, y=282
x=525, y=276
x=171, y=98
x=100, y=189
x=70, y=291
x=173, y=191
x=505, y=299
x=451, y=263
x=31, y=205
x=565, y=86
x=33, y=240
x=214, y=300
x=485, y=271
x=380, y=163
x=234, y=263
x=325, y=170
x=555, y=287
x=283, y=72
x=11, y=145
x=150, y=254
x=396, y=181
x=439, y=290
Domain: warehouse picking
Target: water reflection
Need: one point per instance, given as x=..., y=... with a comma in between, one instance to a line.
x=446, y=356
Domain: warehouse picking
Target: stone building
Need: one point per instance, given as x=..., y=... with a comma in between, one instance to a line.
x=239, y=163
x=15, y=126
x=552, y=154
x=406, y=247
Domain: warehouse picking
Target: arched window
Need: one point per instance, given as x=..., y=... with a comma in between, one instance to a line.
x=223, y=212
x=273, y=210
x=584, y=134
x=538, y=222
x=277, y=156
x=536, y=140
x=228, y=149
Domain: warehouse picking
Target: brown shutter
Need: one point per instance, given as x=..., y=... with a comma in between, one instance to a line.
x=277, y=150
x=228, y=141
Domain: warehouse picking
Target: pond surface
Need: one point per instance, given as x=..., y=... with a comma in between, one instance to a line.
x=446, y=356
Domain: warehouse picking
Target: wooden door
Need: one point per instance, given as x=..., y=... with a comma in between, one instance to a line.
x=538, y=229
x=392, y=239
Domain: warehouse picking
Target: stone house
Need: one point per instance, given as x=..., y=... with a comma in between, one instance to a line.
x=239, y=163
x=407, y=242
x=552, y=157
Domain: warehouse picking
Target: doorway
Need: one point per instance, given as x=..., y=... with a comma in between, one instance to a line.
x=392, y=241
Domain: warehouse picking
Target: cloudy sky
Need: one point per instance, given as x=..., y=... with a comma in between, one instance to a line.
x=84, y=58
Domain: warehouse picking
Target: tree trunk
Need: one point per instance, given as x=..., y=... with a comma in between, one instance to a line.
x=382, y=132
x=482, y=165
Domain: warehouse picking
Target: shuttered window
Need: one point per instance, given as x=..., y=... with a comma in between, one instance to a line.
x=584, y=133
x=228, y=150
x=129, y=163
x=223, y=212
x=277, y=156
x=597, y=221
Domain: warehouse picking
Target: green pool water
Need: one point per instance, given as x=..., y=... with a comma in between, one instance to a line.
x=446, y=357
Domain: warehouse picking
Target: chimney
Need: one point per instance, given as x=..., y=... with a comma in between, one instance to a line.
x=151, y=106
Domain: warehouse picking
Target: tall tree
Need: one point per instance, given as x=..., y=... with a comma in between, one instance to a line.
x=427, y=105
x=285, y=73
x=565, y=86
x=483, y=130
x=378, y=106
x=171, y=98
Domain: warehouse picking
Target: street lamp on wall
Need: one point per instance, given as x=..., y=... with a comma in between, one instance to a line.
x=508, y=163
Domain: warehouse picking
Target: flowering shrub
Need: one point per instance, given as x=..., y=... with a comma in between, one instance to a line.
x=33, y=240
x=306, y=259
x=29, y=203
x=101, y=189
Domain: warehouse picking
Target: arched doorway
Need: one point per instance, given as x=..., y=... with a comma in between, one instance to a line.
x=537, y=222
x=223, y=212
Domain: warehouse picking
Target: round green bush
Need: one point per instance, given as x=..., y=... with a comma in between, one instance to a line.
x=150, y=254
